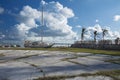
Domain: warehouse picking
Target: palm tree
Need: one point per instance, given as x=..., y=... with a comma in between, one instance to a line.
x=117, y=40
x=104, y=31
x=82, y=34
x=95, y=35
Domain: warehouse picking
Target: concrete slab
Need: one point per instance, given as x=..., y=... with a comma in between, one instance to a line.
x=91, y=78
x=29, y=64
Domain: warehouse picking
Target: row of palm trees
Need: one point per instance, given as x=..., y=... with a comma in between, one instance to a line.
x=84, y=30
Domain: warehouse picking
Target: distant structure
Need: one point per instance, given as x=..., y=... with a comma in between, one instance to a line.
x=10, y=44
x=117, y=41
x=37, y=44
x=97, y=44
x=101, y=44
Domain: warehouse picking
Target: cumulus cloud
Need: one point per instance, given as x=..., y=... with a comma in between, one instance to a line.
x=116, y=17
x=1, y=10
x=78, y=26
x=113, y=34
x=97, y=27
x=43, y=2
x=96, y=20
x=55, y=21
x=2, y=35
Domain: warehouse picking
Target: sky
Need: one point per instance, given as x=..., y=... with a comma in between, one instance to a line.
x=63, y=19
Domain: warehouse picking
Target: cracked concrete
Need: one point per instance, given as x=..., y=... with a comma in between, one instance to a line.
x=31, y=64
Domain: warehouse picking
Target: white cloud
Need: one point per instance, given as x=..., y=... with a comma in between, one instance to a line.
x=96, y=20
x=96, y=27
x=55, y=21
x=78, y=26
x=113, y=34
x=29, y=12
x=117, y=34
x=67, y=12
x=2, y=36
x=116, y=17
x=28, y=20
x=43, y=2
x=88, y=35
x=1, y=10
x=76, y=18
x=110, y=34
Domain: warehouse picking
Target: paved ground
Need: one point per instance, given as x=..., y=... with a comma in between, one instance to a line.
x=31, y=64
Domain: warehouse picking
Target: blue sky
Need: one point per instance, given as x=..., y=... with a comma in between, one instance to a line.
x=15, y=22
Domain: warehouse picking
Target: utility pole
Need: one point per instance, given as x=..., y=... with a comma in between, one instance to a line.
x=42, y=22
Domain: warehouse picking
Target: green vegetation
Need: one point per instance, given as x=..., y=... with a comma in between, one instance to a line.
x=22, y=57
x=114, y=74
x=115, y=61
x=27, y=56
x=33, y=65
x=66, y=59
x=69, y=60
x=1, y=55
x=77, y=63
x=94, y=51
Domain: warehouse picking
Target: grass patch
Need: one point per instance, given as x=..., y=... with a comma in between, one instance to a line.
x=77, y=63
x=114, y=74
x=35, y=66
x=27, y=56
x=23, y=57
x=107, y=52
x=95, y=51
x=74, y=57
x=52, y=78
x=66, y=59
x=69, y=60
x=1, y=55
x=115, y=61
